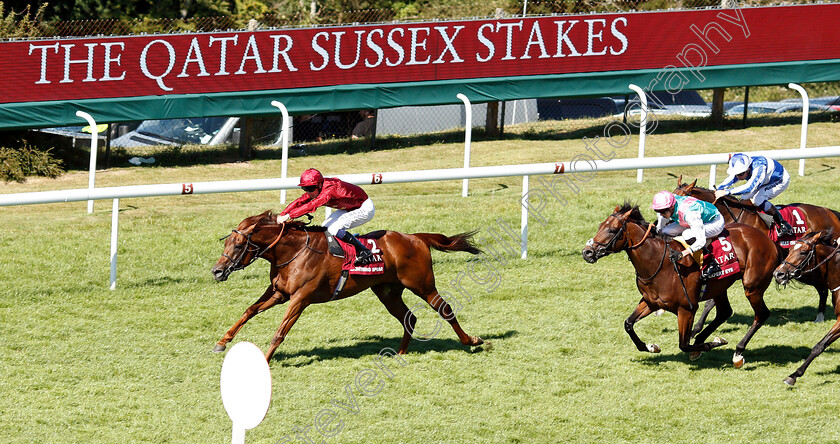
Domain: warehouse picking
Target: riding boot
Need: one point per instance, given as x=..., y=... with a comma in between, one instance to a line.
x=711, y=270
x=363, y=254
x=782, y=225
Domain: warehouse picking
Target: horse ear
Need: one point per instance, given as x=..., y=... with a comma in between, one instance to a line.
x=627, y=214
x=679, y=181
x=693, y=184
x=617, y=207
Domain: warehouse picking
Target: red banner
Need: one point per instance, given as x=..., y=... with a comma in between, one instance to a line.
x=82, y=68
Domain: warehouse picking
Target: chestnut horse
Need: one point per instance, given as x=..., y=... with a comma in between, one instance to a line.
x=303, y=272
x=676, y=286
x=743, y=211
x=815, y=252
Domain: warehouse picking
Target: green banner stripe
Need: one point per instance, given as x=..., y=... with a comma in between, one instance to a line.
x=351, y=97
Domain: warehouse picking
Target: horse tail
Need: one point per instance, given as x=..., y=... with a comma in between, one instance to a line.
x=458, y=242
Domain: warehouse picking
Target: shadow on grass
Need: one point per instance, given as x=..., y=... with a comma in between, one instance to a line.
x=778, y=316
x=781, y=355
x=373, y=345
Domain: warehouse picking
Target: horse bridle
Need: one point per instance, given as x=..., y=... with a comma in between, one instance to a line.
x=609, y=245
x=250, y=247
x=811, y=255
x=632, y=247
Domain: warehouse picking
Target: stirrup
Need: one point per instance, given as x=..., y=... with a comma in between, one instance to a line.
x=363, y=258
x=707, y=272
x=784, y=229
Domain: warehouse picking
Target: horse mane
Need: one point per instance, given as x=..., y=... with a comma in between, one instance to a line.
x=732, y=201
x=635, y=213
x=826, y=237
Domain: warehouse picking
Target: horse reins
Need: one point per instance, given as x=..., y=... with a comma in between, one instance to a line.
x=658, y=269
x=305, y=246
x=812, y=254
x=248, y=247
x=633, y=247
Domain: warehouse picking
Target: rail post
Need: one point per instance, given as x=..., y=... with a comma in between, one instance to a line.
x=642, y=128
x=94, y=141
x=803, y=138
x=285, y=137
x=467, y=139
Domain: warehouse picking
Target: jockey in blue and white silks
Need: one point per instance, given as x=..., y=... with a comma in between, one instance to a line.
x=687, y=216
x=765, y=179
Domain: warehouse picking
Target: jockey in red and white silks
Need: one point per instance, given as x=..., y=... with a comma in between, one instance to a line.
x=352, y=207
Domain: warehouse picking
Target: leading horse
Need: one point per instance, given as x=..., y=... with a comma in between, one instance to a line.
x=815, y=252
x=743, y=211
x=676, y=286
x=303, y=272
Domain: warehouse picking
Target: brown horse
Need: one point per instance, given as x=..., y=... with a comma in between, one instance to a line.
x=743, y=211
x=303, y=272
x=815, y=252
x=676, y=286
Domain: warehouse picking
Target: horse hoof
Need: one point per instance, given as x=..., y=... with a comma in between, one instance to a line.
x=718, y=341
x=820, y=318
x=659, y=312
x=219, y=348
x=694, y=355
x=653, y=348
x=738, y=361
x=790, y=381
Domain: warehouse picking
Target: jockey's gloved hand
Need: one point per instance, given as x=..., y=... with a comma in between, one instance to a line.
x=676, y=255
x=282, y=218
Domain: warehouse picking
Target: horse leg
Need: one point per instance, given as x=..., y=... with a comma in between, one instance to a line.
x=723, y=310
x=707, y=308
x=391, y=298
x=445, y=310
x=822, y=290
x=832, y=335
x=756, y=298
x=685, y=318
x=423, y=285
x=640, y=312
x=293, y=311
x=265, y=302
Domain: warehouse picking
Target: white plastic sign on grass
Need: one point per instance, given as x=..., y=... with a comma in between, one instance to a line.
x=246, y=387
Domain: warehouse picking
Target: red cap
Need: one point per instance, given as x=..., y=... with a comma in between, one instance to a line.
x=311, y=177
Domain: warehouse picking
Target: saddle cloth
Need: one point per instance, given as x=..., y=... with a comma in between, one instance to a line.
x=723, y=253
x=376, y=266
x=794, y=216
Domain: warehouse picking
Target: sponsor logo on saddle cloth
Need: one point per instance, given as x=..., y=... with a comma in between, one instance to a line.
x=793, y=215
x=376, y=266
x=722, y=253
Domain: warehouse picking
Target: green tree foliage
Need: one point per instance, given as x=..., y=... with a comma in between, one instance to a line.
x=20, y=24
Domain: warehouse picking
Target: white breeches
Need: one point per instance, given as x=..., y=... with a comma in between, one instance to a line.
x=343, y=219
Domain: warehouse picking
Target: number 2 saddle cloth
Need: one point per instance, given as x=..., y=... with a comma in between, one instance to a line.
x=348, y=252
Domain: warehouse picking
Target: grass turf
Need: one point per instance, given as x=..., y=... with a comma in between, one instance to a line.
x=81, y=363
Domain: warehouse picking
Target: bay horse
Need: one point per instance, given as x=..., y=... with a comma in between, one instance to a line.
x=676, y=286
x=743, y=211
x=815, y=252
x=303, y=272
